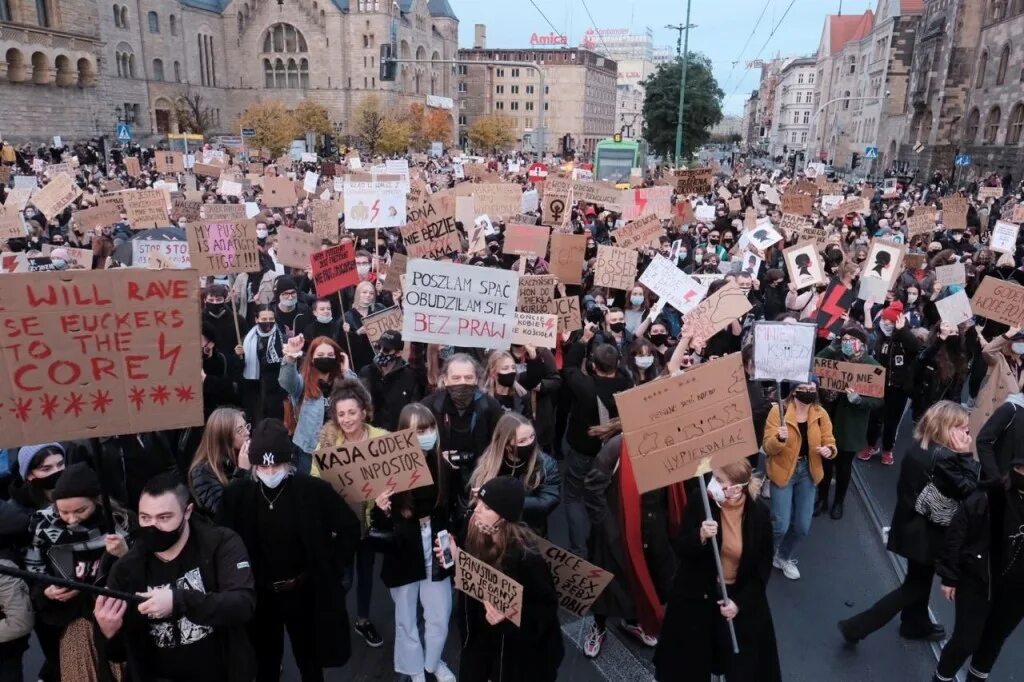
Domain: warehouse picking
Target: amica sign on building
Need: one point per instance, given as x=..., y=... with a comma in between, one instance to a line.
x=550, y=39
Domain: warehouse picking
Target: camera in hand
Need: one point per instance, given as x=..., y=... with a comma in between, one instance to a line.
x=595, y=314
x=461, y=457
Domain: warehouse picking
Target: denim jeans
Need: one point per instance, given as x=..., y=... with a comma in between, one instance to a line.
x=792, y=510
x=577, y=466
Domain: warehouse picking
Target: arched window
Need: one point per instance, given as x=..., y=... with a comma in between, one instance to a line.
x=982, y=66
x=284, y=38
x=117, y=60
x=172, y=22
x=158, y=69
x=117, y=16
x=124, y=17
x=992, y=125
x=998, y=10
x=154, y=22
x=293, y=74
x=268, y=74
x=304, y=73
x=43, y=12
x=177, y=72
x=279, y=75
x=1016, y=124
x=846, y=99
x=1004, y=60
x=971, y=132
x=241, y=23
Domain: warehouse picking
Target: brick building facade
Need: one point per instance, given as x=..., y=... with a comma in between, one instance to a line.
x=135, y=59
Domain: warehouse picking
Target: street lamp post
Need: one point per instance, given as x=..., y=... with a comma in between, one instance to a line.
x=685, y=30
x=847, y=99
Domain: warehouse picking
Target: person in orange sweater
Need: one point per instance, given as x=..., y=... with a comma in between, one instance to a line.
x=794, y=452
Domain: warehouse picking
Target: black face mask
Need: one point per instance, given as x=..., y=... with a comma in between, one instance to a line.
x=806, y=397
x=215, y=309
x=325, y=365
x=523, y=452
x=659, y=339
x=47, y=483
x=152, y=540
x=265, y=326
x=383, y=359
x=617, y=327
x=507, y=379
x=462, y=395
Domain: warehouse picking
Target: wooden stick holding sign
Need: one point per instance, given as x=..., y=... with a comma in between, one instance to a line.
x=348, y=345
x=718, y=559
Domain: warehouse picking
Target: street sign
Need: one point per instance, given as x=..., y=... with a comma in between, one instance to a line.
x=124, y=132
x=248, y=132
x=963, y=160
x=871, y=152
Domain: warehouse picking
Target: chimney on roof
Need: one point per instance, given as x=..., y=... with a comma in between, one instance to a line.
x=480, y=37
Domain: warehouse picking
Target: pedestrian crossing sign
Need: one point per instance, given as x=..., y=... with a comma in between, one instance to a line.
x=124, y=132
x=871, y=152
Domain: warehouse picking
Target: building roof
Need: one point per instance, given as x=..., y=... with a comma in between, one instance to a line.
x=209, y=5
x=846, y=27
x=437, y=8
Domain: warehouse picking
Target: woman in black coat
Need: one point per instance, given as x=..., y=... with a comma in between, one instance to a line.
x=695, y=641
x=941, y=455
x=608, y=488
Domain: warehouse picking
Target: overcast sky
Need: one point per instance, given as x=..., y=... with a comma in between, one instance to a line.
x=723, y=27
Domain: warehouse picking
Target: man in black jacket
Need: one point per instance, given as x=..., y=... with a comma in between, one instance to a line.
x=199, y=594
x=392, y=383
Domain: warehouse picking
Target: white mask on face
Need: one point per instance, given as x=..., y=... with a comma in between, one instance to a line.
x=716, y=491
x=1018, y=347
x=644, y=361
x=363, y=270
x=273, y=480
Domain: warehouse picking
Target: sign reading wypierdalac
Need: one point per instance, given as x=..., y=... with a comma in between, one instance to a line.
x=460, y=305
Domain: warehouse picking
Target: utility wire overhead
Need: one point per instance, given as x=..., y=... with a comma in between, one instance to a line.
x=555, y=30
x=770, y=35
x=750, y=37
x=594, y=24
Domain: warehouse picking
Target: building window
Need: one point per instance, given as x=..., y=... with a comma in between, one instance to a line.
x=803, y=137
x=515, y=73
x=158, y=69
x=5, y=13
x=1004, y=60
x=846, y=99
x=154, y=22
x=796, y=117
x=992, y=125
x=463, y=70
x=462, y=87
x=807, y=117
x=499, y=89
x=42, y=12
x=810, y=79
x=177, y=72
x=515, y=89
x=998, y=9
x=286, y=38
x=800, y=79
x=792, y=136
x=514, y=106
x=529, y=106
x=982, y=65
x=971, y=132
x=462, y=119
x=799, y=97
x=501, y=73
x=529, y=89
x=1016, y=124
x=853, y=64
x=499, y=106
x=172, y=23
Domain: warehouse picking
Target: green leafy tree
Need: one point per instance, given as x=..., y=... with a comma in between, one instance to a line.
x=701, y=111
x=273, y=123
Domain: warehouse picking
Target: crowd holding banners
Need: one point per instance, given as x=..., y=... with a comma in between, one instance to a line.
x=647, y=298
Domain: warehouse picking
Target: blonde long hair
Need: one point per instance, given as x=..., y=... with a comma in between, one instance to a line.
x=217, y=443
x=502, y=446
x=936, y=422
x=491, y=373
x=741, y=473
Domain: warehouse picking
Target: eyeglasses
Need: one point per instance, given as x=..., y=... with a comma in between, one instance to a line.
x=244, y=429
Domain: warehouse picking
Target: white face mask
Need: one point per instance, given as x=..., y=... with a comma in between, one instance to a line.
x=262, y=234
x=427, y=440
x=273, y=480
x=644, y=361
x=716, y=491
x=911, y=297
x=1018, y=347
x=324, y=319
x=362, y=270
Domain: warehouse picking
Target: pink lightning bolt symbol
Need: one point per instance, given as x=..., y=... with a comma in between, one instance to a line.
x=375, y=209
x=550, y=323
x=689, y=294
x=415, y=477
x=366, y=490
x=596, y=573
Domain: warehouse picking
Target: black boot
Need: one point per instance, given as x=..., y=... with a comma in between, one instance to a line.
x=837, y=510
x=820, y=506
x=974, y=677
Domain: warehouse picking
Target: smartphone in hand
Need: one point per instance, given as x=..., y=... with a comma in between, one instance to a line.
x=444, y=542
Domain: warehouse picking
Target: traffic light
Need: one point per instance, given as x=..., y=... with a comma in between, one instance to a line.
x=387, y=67
x=855, y=161
x=617, y=137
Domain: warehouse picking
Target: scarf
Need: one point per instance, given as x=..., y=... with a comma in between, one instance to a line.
x=251, y=346
x=649, y=609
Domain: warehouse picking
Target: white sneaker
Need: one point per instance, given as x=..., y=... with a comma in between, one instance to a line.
x=443, y=673
x=789, y=569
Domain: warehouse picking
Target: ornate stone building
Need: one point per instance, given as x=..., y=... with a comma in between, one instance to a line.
x=134, y=59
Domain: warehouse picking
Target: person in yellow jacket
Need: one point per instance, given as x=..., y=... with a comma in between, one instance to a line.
x=350, y=409
x=793, y=456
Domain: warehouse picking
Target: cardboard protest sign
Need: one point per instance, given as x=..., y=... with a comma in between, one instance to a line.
x=131, y=163
x=145, y=208
x=954, y=212
x=885, y=261
x=783, y=351
x=526, y=240
x=567, y=252
x=955, y=273
x=12, y=225
x=872, y=289
x=671, y=284
x=990, y=192
x=697, y=181
x=642, y=232
x=717, y=311
x=56, y=196
x=385, y=320
x=169, y=162
x=334, y=269
x=93, y=353
x=833, y=304
x=1018, y=214
x=577, y=582
x=295, y=247
x=568, y=311
x=922, y=222
x=97, y=216
x=324, y=216
x=393, y=276
x=374, y=204
x=1004, y=237
x=735, y=205
x=463, y=305
x=763, y=235
x=533, y=329
x=837, y=375
x=705, y=213
x=616, y=268
x=486, y=584
x=999, y=300
x=208, y=170
x=174, y=253
x=954, y=309
x=361, y=471
x=310, y=181
x=797, y=204
x=804, y=265
x=536, y=294
x=224, y=247
x=682, y=425
x=600, y=194
x=434, y=234
x=278, y=192
x=845, y=208
x=498, y=200
x=18, y=198
x=25, y=182
x=222, y=212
